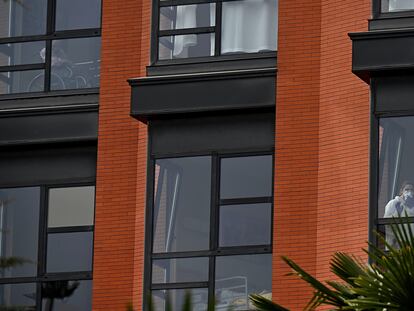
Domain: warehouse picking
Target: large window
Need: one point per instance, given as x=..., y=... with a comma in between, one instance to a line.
x=49, y=45
x=190, y=28
x=211, y=230
x=46, y=245
x=396, y=172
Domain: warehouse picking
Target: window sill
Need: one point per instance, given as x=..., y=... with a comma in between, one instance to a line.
x=213, y=64
x=55, y=99
x=393, y=20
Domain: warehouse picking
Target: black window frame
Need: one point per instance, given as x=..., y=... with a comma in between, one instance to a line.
x=215, y=250
x=42, y=276
x=156, y=33
x=381, y=109
x=50, y=35
x=378, y=14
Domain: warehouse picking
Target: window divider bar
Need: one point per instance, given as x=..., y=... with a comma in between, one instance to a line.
x=191, y=31
x=70, y=229
x=48, y=69
x=64, y=34
x=24, y=67
x=184, y=285
x=246, y=201
x=214, y=224
x=233, y=250
x=183, y=2
x=217, y=37
x=389, y=221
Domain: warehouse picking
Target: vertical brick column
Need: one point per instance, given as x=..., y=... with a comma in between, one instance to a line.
x=121, y=171
x=296, y=173
x=343, y=136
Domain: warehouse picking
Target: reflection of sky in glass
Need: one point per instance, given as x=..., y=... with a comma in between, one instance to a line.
x=19, y=221
x=68, y=252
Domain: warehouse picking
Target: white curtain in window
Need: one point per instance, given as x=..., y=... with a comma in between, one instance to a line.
x=249, y=26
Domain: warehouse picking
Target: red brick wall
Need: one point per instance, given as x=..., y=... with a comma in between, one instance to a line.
x=321, y=176
x=121, y=171
x=343, y=136
x=322, y=141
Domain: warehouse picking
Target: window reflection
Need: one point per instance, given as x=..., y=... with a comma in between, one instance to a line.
x=78, y=14
x=75, y=63
x=67, y=295
x=21, y=53
x=18, y=297
x=19, y=223
x=22, y=18
x=175, y=298
x=239, y=276
x=182, y=204
x=22, y=81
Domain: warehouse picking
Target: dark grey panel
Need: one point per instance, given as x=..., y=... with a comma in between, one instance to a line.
x=391, y=23
x=48, y=127
x=226, y=132
x=377, y=51
x=230, y=62
x=153, y=97
x=31, y=166
x=393, y=93
x=47, y=101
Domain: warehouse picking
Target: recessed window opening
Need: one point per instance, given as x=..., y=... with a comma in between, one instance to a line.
x=49, y=45
x=211, y=230
x=214, y=28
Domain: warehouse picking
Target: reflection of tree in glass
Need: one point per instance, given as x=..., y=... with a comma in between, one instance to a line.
x=57, y=290
x=7, y=262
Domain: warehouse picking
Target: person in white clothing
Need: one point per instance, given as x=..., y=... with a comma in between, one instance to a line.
x=399, y=206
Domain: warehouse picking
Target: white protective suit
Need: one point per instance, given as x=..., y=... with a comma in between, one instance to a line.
x=396, y=208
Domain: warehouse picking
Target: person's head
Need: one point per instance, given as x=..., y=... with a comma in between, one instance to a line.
x=407, y=186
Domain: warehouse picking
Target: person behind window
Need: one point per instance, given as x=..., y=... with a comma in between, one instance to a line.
x=399, y=206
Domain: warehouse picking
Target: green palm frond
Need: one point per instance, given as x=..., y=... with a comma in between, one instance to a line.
x=263, y=304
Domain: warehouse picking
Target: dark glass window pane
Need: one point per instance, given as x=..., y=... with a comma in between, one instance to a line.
x=247, y=224
x=184, y=46
x=19, y=226
x=22, y=18
x=21, y=81
x=182, y=204
x=245, y=177
x=18, y=297
x=68, y=252
x=72, y=206
x=21, y=53
x=75, y=63
x=175, y=297
x=180, y=270
x=249, y=26
x=239, y=276
x=389, y=235
x=80, y=297
x=78, y=14
x=396, y=172
x=396, y=5
x=187, y=16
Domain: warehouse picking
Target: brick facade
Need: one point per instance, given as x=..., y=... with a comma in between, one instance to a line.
x=322, y=141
